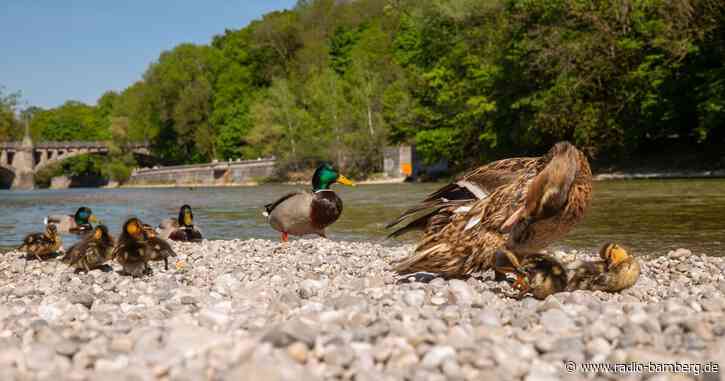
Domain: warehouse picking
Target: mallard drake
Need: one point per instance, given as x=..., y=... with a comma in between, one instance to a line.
x=615, y=272
x=301, y=213
x=156, y=248
x=92, y=252
x=130, y=251
x=42, y=245
x=543, y=275
x=181, y=228
x=513, y=206
x=79, y=223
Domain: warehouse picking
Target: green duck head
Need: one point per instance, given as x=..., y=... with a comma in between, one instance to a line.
x=186, y=216
x=84, y=216
x=325, y=175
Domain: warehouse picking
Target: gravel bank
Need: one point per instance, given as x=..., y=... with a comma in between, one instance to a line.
x=318, y=309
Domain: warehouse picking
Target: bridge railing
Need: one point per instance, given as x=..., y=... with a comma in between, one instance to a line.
x=218, y=164
x=69, y=145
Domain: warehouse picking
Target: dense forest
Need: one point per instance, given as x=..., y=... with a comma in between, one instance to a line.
x=464, y=80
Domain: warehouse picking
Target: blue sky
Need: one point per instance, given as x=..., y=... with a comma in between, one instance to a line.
x=53, y=51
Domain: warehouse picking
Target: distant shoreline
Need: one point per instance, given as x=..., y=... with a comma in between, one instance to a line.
x=607, y=176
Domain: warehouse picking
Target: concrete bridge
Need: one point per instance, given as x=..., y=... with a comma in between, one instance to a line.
x=235, y=172
x=19, y=161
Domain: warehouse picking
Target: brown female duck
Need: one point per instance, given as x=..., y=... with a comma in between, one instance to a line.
x=515, y=207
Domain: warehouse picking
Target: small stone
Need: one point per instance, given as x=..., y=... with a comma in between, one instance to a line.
x=436, y=355
x=226, y=284
x=452, y=370
x=310, y=288
x=66, y=348
x=679, y=253
x=298, y=351
x=340, y=356
x=84, y=299
x=186, y=299
x=122, y=344
x=213, y=317
x=556, y=321
x=49, y=312
x=599, y=348
x=460, y=291
x=414, y=298
x=489, y=318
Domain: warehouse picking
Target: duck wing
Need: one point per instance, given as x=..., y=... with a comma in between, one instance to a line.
x=268, y=208
x=437, y=209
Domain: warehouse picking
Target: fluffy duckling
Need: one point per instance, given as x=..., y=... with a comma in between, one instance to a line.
x=42, y=245
x=181, y=228
x=130, y=251
x=156, y=248
x=543, y=275
x=301, y=213
x=615, y=272
x=91, y=252
x=79, y=223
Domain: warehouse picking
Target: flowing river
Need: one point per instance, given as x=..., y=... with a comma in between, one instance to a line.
x=648, y=216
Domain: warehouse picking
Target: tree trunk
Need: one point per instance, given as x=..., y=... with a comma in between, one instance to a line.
x=370, y=120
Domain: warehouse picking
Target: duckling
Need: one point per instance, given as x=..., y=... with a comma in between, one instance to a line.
x=543, y=275
x=615, y=272
x=79, y=223
x=91, y=252
x=156, y=248
x=130, y=251
x=301, y=213
x=515, y=206
x=42, y=245
x=181, y=228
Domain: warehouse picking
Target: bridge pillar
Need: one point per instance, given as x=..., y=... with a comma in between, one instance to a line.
x=43, y=156
x=3, y=157
x=24, y=162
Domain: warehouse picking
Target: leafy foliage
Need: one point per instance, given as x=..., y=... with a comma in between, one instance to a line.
x=465, y=80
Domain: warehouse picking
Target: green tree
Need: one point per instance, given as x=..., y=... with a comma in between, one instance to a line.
x=9, y=125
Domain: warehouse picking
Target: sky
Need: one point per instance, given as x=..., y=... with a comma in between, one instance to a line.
x=53, y=51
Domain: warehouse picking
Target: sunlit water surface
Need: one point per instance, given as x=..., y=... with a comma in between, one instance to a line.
x=648, y=216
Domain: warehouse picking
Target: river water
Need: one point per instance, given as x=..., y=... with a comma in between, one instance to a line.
x=647, y=216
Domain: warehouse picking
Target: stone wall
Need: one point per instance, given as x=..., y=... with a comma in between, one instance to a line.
x=213, y=174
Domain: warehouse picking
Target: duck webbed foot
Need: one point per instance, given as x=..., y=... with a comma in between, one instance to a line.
x=507, y=262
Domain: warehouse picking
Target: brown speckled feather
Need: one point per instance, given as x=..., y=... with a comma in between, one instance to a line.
x=437, y=210
x=468, y=242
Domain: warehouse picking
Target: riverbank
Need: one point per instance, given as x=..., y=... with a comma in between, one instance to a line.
x=716, y=174
x=318, y=309
x=375, y=181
